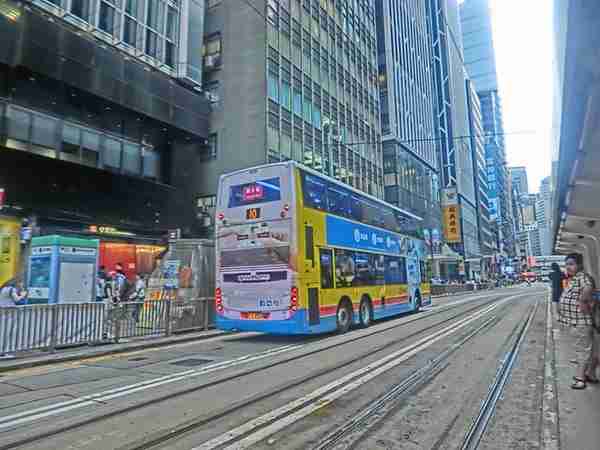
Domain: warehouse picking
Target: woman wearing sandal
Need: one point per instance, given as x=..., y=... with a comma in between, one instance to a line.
x=575, y=310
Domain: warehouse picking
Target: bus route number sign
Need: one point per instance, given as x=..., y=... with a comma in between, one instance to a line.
x=252, y=213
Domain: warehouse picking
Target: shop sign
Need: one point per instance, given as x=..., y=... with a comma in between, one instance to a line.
x=78, y=251
x=452, y=224
x=110, y=231
x=41, y=250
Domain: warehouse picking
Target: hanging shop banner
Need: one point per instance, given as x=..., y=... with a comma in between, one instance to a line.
x=9, y=249
x=451, y=216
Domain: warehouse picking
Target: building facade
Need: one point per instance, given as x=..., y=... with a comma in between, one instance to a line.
x=297, y=83
x=480, y=63
x=486, y=235
x=518, y=176
x=98, y=118
x=453, y=121
x=407, y=100
x=543, y=215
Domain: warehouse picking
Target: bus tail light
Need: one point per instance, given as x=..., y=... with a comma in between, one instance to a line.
x=294, y=299
x=220, y=216
x=219, y=300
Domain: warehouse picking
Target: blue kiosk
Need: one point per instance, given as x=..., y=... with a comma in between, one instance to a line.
x=62, y=269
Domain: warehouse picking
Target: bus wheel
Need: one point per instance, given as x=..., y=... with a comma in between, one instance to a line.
x=417, y=302
x=344, y=316
x=365, y=313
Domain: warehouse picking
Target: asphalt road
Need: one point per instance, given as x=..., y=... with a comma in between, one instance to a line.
x=414, y=382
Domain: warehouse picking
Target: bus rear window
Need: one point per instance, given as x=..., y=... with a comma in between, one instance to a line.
x=255, y=257
x=262, y=191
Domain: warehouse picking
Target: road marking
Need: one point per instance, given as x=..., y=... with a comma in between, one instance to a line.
x=94, y=399
x=286, y=415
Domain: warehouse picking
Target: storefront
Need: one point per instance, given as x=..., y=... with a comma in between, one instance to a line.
x=10, y=237
x=138, y=250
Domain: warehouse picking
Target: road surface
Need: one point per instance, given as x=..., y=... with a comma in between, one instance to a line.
x=466, y=373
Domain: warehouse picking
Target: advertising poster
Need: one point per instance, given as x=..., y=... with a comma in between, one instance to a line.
x=39, y=278
x=9, y=249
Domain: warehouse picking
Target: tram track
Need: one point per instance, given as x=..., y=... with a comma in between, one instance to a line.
x=353, y=431
x=262, y=426
x=481, y=421
x=99, y=400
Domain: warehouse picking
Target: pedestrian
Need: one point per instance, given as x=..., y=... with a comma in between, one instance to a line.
x=120, y=284
x=556, y=277
x=574, y=311
x=13, y=294
x=6, y=294
x=138, y=295
x=101, y=282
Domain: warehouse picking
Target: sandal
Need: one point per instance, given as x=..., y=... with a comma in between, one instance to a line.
x=588, y=379
x=578, y=384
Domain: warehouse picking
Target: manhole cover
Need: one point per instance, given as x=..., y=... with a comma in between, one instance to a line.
x=138, y=358
x=191, y=362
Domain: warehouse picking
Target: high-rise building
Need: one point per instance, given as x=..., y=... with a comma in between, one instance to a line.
x=299, y=82
x=543, y=211
x=453, y=120
x=407, y=99
x=518, y=176
x=101, y=120
x=480, y=63
x=486, y=235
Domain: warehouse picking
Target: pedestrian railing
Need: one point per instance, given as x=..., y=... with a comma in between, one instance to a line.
x=48, y=327
x=32, y=327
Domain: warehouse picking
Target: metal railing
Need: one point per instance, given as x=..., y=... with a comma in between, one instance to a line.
x=32, y=327
x=48, y=327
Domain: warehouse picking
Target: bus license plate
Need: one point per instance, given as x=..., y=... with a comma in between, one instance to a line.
x=255, y=316
x=269, y=303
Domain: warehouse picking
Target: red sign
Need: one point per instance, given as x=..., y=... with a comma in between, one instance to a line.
x=252, y=192
x=2, y=194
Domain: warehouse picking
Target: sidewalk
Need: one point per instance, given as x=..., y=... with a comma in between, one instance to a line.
x=578, y=411
x=85, y=352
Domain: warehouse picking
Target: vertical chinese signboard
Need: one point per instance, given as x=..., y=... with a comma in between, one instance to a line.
x=451, y=216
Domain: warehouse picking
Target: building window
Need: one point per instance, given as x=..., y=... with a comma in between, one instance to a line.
x=80, y=8
x=129, y=33
x=273, y=86
x=212, y=51
x=151, y=44
x=151, y=161
x=71, y=137
x=170, y=54
x=213, y=144
x=131, y=7
x=286, y=99
x=154, y=16
x=106, y=21
x=131, y=159
x=112, y=153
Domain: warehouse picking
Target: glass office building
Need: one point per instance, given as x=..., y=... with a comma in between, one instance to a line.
x=298, y=83
x=407, y=101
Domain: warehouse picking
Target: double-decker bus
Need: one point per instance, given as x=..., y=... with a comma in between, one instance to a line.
x=301, y=253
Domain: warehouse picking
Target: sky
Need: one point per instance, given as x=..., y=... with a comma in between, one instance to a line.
x=523, y=43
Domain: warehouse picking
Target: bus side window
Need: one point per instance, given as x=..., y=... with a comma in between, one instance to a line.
x=309, y=254
x=326, y=260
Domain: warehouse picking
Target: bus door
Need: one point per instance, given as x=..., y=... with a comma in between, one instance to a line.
x=413, y=273
x=311, y=274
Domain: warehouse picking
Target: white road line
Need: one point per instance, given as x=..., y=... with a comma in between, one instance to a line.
x=94, y=399
x=285, y=415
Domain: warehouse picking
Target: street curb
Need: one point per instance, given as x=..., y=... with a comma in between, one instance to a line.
x=57, y=359
x=550, y=438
